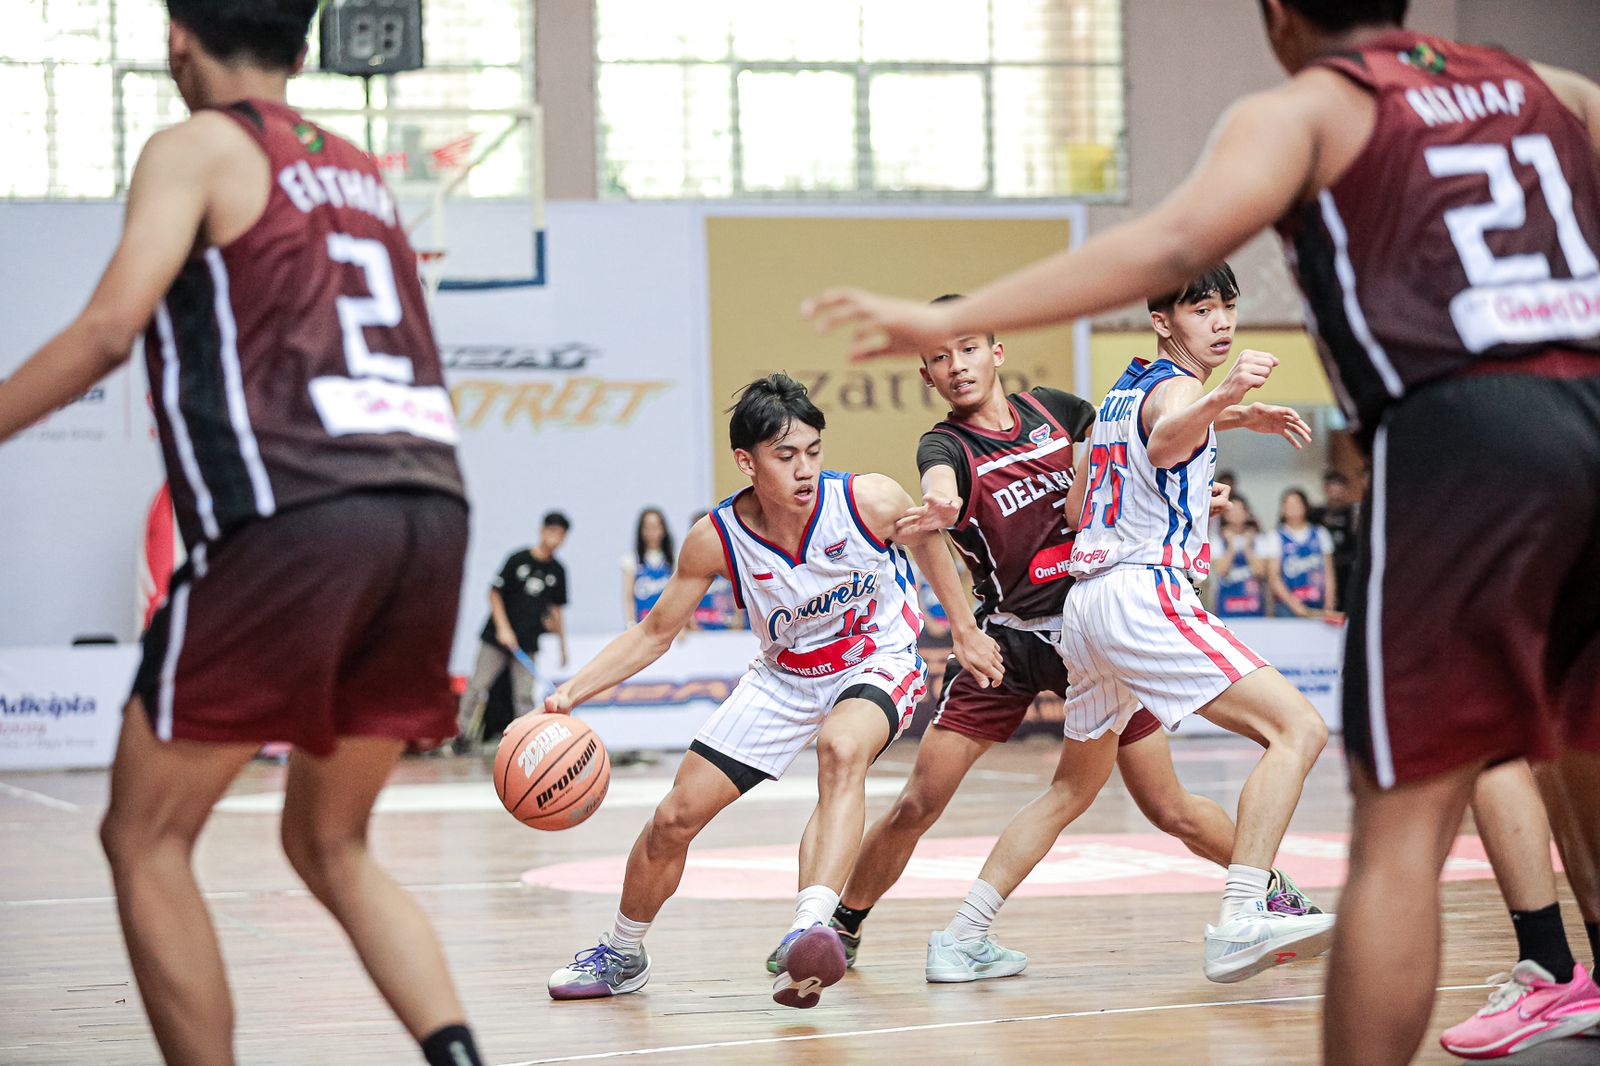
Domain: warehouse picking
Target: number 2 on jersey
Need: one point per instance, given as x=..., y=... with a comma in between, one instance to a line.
x=857, y=623
x=356, y=313
x=1108, y=468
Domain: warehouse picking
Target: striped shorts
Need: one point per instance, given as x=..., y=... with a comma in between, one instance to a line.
x=772, y=715
x=1139, y=636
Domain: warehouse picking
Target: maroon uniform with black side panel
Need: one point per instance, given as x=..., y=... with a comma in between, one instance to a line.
x=309, y=442
x=1015, y=541
x=1453, y=280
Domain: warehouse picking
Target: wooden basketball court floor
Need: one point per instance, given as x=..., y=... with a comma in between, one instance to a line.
x=1112, y=923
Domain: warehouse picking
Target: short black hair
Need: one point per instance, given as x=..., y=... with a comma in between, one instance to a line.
x=767, y=407
x=557, y=519
x=947, y=297
x=265, y=33
x=1336, y=16
x=1216, y=281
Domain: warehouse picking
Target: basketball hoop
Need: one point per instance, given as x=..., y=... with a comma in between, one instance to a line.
x=430, y=265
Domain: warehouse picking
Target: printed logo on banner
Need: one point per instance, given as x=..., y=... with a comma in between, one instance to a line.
x=491, y=384
x=86, y=418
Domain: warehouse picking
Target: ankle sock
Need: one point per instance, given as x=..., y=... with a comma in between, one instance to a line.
x=1542, y=938
x=1245, y=891
x=451, y=1046
x=627, y=935
x=976, y=913
x=814, y=904
x=850, y=918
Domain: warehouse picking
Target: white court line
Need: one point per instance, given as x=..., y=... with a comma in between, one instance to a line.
x=939, y=1025
x=38, y=797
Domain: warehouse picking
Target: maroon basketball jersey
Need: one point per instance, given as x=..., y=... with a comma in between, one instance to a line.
x=297, y=362
x=1464, y=231
x=1012, y=531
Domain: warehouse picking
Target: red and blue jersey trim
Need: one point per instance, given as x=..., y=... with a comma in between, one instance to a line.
x=727, y=552
x=855, y=513
x=805, y=541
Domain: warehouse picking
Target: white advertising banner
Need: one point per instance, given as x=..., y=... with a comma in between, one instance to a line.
x=61, y=708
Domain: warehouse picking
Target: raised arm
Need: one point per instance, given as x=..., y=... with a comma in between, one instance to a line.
x=1178, y=413
x=646, y=641
x=940, y=507
x=167, y=203
x=881, y=502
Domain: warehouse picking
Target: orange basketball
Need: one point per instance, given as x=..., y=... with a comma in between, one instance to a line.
x=551, y=771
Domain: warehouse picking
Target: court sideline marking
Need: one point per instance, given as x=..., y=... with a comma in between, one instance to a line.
x=929, y=1027
x=38, y=797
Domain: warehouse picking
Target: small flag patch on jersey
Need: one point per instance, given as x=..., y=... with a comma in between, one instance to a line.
x=309, y=136
x=833, y=551
x=1040, y=435
x=1425, y=57
x=761, y=575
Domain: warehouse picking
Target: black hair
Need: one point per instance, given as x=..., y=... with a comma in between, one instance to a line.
x=556, y=518
x=767, y=407
x=1305, y=501
x=947, y=297
x=1335, y=476
x=1336, y=16
x=666, y=536
x=1216, y=281
x=265, y=33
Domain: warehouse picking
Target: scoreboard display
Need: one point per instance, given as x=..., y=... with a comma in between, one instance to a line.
x=371, y=36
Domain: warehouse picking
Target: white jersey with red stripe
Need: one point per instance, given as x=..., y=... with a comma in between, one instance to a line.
x=1134, y=512
x=845, y=596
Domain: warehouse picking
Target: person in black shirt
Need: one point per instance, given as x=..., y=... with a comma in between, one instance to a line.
x=525, y=602
x=1341, y=517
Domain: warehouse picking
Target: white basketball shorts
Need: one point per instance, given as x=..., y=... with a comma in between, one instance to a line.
x=1138, y=636
x=772, y=715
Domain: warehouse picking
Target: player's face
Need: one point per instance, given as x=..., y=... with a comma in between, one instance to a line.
x=784, y=470
x=1202, y=330
x=963, y=371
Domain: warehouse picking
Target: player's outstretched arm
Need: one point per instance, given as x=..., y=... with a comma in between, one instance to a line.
x=643, y=643
x=1267, y=418
x=1178, y=414
x=167, y=202
x=881, y=502
x=1078, y=494
x=1259, y=162
x=940, y=507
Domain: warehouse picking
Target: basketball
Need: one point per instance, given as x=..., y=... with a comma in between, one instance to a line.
x=551, y=771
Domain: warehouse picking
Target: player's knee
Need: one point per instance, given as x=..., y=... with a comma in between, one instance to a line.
x=675, y=823
x=322, y=860
x=1170, y=814
x=118, y=839
x=840, y=753
x=1308, y=734
x=915, y=811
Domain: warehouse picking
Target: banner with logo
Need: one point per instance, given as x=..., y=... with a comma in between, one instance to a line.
x=61, y=708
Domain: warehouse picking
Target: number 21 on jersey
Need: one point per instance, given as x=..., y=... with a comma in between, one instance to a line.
x=1108, y=469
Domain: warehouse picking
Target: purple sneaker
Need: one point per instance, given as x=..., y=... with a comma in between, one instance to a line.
x=809, y=960
x=1285, y=897
x=601, y=971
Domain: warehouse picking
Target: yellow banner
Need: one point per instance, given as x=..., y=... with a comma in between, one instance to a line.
x=760, y=269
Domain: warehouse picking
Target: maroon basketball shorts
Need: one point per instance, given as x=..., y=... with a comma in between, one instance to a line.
x=1474, y=626
x=327, y=620
x=1032, y=666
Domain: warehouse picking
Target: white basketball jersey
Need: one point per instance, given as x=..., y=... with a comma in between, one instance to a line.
x=844, y=597
x=1134, y=513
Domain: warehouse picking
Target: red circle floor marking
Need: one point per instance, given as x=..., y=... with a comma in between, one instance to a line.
x=943, y=868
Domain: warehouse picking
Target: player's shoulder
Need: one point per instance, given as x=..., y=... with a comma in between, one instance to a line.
x=205, y=136
x=875, y=494
x=702, y=552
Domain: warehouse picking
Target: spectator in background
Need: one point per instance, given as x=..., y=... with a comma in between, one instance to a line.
x=718, y=609
x=525, y=602
x=646, y=569
x=1341, y=517
x=1228, y=478
x=1300, y=560
x=1236, y=566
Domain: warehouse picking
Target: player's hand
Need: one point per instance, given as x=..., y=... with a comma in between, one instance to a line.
x=881, y=325
x=507, y=637
x=559, y=701
x=978, y=652
x=1249, y=371
x=1221, y=496
x=935, y=515
x=1276, y=421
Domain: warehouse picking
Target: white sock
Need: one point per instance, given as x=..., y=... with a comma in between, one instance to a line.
x=976, y=912
x=1245, y=892
x=814, y=904
x=627, y=934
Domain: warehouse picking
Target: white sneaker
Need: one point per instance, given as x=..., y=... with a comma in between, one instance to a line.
x=1246, y=944
x=951, y=960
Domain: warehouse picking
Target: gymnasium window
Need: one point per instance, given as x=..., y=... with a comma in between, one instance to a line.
x=85, y=85
x=860, y=99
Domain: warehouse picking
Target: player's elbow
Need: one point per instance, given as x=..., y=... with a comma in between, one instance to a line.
x=108, y=337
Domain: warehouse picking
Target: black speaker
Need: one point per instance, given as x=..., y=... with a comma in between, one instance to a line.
x=371, y=36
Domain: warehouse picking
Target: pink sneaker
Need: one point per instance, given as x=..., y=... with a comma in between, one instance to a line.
x=1528, y=1008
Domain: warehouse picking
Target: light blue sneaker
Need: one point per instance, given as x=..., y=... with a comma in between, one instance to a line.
x=951, y=960
x=601, y=971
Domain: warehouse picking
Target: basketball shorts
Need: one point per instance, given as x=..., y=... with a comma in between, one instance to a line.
x=1032, y=665
x=772, y=715
x=327, y=620
x=1474, y=626
x=1139, y=636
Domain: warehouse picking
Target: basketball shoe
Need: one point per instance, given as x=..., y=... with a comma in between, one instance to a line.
x=1527, y=1009
x=808, y=961
x=1248, y=943
x=851, y=942
x=1285, y=897
x=951, y=960
x=601, y=971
